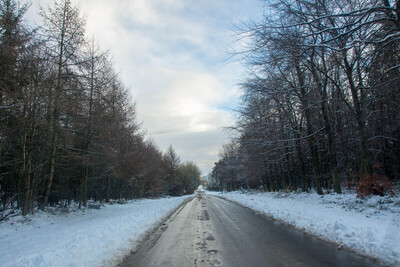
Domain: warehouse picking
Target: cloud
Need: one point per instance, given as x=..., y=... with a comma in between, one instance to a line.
x=170, y=53
x=183, y=101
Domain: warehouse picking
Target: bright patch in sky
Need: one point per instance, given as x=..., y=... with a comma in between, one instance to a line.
x=172, y=55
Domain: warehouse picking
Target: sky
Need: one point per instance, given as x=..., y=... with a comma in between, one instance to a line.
x=174, y=57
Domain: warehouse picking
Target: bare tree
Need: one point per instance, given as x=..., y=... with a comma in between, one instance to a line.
x=317, y=93
x=64, y=29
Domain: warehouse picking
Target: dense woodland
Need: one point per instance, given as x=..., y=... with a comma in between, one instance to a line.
x=321, y=106
x=68, y=128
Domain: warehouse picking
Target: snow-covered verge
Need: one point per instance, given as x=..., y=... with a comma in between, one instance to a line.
x=81, y=238
x=369, y=226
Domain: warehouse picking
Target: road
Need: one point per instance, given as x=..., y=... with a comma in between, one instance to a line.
x=210, y=231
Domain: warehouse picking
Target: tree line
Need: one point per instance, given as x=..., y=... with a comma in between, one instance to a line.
x=68, y=127
x=320, y=105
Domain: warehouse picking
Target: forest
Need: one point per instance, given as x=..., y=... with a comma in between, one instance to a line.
x=320, y=104
x=68, y=125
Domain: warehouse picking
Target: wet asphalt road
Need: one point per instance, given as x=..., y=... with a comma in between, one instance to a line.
x=209, y=231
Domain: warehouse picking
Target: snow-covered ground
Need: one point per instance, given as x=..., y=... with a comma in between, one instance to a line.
x=369, y=226
x=81, y=238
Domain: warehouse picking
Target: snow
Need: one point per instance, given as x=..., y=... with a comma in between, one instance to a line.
x=369, y=226
x=81, y=238
x=103, y=237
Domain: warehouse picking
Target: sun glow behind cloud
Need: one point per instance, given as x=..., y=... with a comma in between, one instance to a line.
x=170, y=54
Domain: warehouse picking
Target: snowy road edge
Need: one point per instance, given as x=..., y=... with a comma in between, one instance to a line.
x=270, y=216
x=150, y=232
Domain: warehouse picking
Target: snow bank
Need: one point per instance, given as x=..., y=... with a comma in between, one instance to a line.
x=83, y=238
x=369, y=226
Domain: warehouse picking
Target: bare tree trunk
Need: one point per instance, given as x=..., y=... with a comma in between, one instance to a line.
x=366, y=166
x=89, y=126
x=27, y=185
x=108, y=188
x=55, y=129
x=56, y=112
x=322, y=89
x=304, y=183
x=84, y=186
x=310, y=132
x=23, y=175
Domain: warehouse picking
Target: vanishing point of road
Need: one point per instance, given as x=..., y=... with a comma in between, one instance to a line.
x=210, y=231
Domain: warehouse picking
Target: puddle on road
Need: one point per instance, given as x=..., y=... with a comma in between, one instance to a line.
x=210, y=238
x=212, y=251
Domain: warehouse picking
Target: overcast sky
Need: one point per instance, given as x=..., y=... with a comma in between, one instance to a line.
x=172, y=55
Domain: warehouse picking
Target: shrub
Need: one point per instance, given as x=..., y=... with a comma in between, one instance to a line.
x=374, y=185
